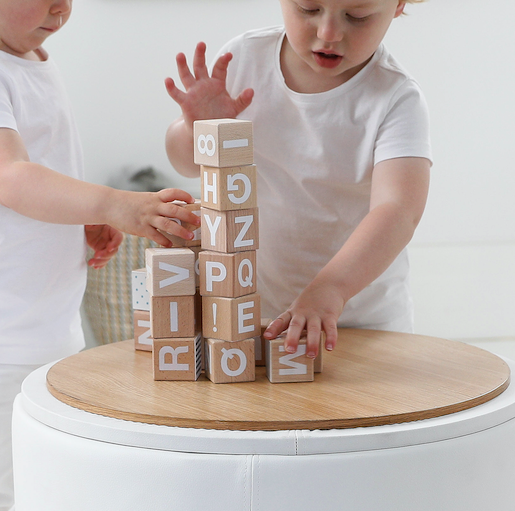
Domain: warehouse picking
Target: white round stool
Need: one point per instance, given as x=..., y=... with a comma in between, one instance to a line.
x=68, y=459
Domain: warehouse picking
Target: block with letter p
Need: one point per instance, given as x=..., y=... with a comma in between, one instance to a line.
x=228, y=275
x=230, y=231
x=228, y=188
x=231, y=319
x=223, y=142
x=170, y=271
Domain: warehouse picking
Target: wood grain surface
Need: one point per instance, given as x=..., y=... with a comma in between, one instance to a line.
x=372, y=378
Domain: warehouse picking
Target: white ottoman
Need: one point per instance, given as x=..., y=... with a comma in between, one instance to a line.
x=67, y=459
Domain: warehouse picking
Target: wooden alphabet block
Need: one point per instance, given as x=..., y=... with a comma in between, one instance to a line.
x=229, y=275
x=231, y=319
x=230, y=362
x=223, y=142
x=230, y=188
x=170, y=271
x=283, y=367
x=140, y=295
x=260, y=347
x=177, y=359
x=172, y=316
x=230, y=231
x=180, y=242
x=142, y=332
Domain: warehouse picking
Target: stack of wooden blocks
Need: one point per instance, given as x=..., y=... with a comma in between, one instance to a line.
x=231, y=308
x=196, y=306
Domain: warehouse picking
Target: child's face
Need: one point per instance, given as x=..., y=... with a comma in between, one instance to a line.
x=329, y=41
x=25, y=24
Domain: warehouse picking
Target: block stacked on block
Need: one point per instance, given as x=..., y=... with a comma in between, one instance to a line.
x=231, y=306
x=171, y=287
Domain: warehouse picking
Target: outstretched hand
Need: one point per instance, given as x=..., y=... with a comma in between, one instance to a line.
x=206, y=96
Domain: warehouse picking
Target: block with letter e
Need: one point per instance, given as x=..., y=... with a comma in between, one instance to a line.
x=177, y=359
x=228, y=275
x=231, y=319
x=283, y=367
x=170, y=271
x=230, y=362
x=225, y=189
x=223, y=142
x=230, y=231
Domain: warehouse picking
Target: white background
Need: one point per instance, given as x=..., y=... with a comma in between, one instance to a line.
x=115, y=54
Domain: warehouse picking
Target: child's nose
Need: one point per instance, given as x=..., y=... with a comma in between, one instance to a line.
x=61, y=7
x=330, y=29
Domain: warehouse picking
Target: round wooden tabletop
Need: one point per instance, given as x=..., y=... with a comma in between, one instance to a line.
x=372, y=378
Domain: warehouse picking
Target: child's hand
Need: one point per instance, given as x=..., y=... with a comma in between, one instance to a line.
x=206, y=97
x=317, y=308
x=143, y=213
x=104, y=240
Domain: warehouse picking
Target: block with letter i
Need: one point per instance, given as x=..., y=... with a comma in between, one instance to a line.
x=231, y=308
x=223, y=142
x=171, y=285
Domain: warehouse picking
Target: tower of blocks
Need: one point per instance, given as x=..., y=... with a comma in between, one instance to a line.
x=231, y=307
x=196, y=305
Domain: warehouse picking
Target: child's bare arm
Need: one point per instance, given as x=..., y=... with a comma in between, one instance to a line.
x=399, y=193
x=205, y=97
x=43, y=194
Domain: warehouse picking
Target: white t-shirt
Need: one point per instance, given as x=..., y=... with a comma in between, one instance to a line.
x=315, y=154
x=42, y=265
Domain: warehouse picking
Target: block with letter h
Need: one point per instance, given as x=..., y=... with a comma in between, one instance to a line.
x=231, y=308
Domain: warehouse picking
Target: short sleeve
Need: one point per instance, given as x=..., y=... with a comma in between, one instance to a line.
x=405, y=131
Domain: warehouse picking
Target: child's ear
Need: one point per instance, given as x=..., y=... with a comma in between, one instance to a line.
x=400, y=9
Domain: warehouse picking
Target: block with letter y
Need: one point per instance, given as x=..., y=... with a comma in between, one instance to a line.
x=230, y=231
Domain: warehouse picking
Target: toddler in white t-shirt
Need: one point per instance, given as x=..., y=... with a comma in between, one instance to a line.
x=48, y=214
x=341, y=141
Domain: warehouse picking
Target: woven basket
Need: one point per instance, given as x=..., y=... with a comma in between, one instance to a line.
x=108, y=297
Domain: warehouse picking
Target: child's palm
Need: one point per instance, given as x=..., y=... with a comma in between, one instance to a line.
x=205, y=96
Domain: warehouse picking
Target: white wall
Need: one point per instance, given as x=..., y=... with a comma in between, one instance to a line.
x=115, y=54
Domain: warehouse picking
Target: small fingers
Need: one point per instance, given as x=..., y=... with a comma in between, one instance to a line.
x=294, y=333
x=314, y=331
x=199, y=62
x=277, y=326
x=331, y=335
x=220, y=68
x=176, y=94
x=185, y=74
